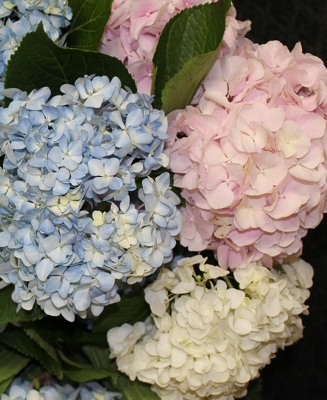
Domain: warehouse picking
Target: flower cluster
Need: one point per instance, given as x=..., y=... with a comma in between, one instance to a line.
x=18, y=17
x=24, y=390
x=72, y=218
x=133, y=30
x=251, y=157
x=206, y=338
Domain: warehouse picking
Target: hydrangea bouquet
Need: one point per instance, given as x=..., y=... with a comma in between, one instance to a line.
x=159, y=171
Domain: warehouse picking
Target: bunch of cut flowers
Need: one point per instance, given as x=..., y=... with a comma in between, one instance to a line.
x=158, y=173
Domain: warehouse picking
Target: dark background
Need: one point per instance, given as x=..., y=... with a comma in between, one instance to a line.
x=300, y=371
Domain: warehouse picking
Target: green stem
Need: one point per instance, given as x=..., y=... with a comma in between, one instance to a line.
x=229, y=283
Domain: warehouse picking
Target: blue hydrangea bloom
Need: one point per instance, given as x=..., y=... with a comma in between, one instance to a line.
x=73, y=222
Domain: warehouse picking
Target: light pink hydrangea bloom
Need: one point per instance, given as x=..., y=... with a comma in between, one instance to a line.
x=251, y=157
x=134, y=27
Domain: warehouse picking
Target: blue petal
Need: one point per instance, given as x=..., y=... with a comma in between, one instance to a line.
x=82, y=299
x=44, y=268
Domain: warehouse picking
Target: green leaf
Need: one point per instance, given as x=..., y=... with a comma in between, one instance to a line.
x=42, y=343
x=5, y=384
x=130, y=309
x=98, y=357
x=8, y=309
x=89, y=20
x=189, y=77
x=74, y=361
x=18, y=340
x=189, y=44
x=100, y=367
x=11, y=364
x=86, y=375
x=135, y=390
x=38, y=62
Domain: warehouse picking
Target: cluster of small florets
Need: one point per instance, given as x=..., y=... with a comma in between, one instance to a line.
x=18, y=17
x=251, y=157
x=133, y=30
x=72, y=217
x=207, y=339
x=24, y=390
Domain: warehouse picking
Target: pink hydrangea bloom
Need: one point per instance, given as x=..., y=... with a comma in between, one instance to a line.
x=250, y=158
x=133, y=30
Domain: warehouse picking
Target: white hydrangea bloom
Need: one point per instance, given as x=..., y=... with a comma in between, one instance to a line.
x=206, y=338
